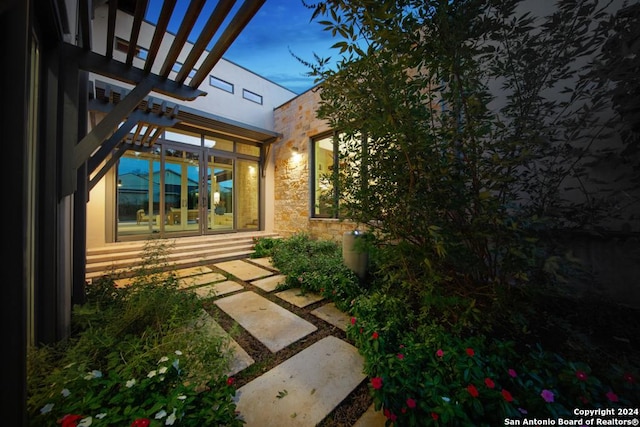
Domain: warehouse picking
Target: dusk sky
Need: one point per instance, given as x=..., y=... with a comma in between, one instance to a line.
x=264, y=46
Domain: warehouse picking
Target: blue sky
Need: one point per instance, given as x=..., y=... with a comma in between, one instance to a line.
x=280, y=26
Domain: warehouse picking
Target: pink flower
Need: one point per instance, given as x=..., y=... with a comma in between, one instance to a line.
x=411, y=403
x=523, y=411
x=376, y=382
x=489, y=383
x=512, y=373
x=507, y=396
x=612, y=396
x=439, y=353
x=390, y=415
x=547, y=396
x=628, y=378
x=353, y=320
x=473, y=391
x=581, y=375
x=400, y=356
x=231, y=380
x=470, y=352
x=375, y=335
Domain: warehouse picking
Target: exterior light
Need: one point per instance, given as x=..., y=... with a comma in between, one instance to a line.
x=119, y=183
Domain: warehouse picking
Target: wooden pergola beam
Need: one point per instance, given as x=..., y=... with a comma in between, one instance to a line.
x=161, y=28
x=181, y=38
x=141, y=7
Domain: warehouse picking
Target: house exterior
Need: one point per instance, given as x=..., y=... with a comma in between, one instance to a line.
x=114, y=147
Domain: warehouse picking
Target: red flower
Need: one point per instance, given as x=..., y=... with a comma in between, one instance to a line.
x=360, y=330
x=470, y=351
x=473, y=391
x=353, y=320
x=376, y=382
x=489, y=383
x=581, y=375
x=400, y=356
x=628, y=378
x=507, y=396
x=403, y=410
x=374, y=335
x=70, y=420
x=435, y=416
x=612, y=396
x=584, y=400
x=411, y=403
x=439, y=353
x=390, y=415
x=512, y=373
x=231, y=380
x=141, y=422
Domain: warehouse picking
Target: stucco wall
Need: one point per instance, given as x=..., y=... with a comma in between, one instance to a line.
x=296, y=121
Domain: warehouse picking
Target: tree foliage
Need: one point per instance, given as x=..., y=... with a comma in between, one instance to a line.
x=485, y=126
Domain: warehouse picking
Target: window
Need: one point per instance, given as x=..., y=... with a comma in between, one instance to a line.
x=123, y=46
x=221, y=84
x=254, y=97
x=324, y=176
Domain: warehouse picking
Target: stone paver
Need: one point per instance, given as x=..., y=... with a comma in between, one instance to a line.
x=217, y=289
x=270, y=284
x=192, y=271
x=241, y=358
x=265, y=262
x=330, y=314
x=269, y=323
x=243, y=270
x=294, y=296
x=201, y=279
x=292, y=394
x=371, y=418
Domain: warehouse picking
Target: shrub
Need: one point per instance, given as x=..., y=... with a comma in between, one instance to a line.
x=137, y=356
x=316, y=266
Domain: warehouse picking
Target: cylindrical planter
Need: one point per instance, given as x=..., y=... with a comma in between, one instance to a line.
x=356, y=259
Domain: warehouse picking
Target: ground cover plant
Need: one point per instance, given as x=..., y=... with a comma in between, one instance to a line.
x=137, y=356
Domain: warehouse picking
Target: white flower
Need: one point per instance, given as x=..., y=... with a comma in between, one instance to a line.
x=46, y=408
x=176, y=365
x=161, y=377
x=152, y=374
x=161, y=414
x=162, y=370
x=85, y=422
x=101, y=415
x=93, y=374
x=163, y=359
x=131, y=383
x=65, y=392
x=182, y=397
x=446, y=399
x=171, y=418
x=178, y=352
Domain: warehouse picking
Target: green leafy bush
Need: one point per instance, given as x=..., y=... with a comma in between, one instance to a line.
x=442, y=379
x=315, y=266
x=138, y=355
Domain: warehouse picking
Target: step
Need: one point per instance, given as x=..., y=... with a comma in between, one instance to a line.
x=123, y=258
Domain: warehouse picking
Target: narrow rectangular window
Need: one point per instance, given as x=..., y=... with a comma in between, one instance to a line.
x=221, y=84
x=323, y=188
x=251, y=96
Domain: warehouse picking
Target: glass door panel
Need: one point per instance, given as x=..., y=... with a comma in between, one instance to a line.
x=247, y=191
x=181, y=191
x=220, y=188
x=138, y=194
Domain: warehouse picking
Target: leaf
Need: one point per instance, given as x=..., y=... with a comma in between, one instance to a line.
x=282, y=394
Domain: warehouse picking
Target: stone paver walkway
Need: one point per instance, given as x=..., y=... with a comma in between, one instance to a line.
x=304, y=389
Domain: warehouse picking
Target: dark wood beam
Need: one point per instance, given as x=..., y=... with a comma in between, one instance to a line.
x=111, y=27
x=141, y=7
x=237, y=24
x=161, y=28
x=84, y=22
x=213, y=24
x=94, y=139
x=181, y=38
x=115, y=156
x=108, y=145
x=98, y=64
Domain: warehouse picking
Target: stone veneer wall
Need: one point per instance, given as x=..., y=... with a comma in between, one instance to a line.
x=296, y=121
